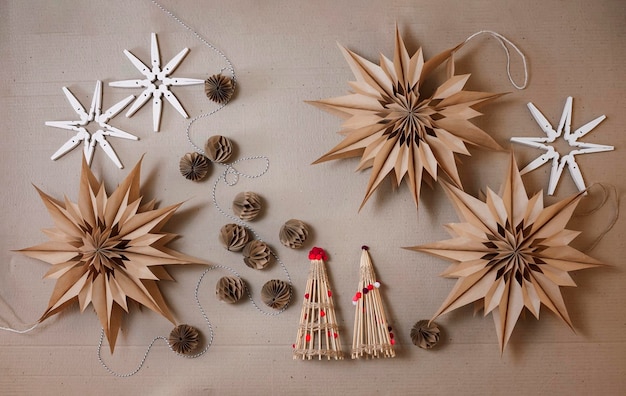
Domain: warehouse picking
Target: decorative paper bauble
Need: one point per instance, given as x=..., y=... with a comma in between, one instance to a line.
x=276, y=294
x=229, y=289
x=294, y=233
x=219, y=88
x=234, y=237
x=247, y=205
x=257, y=254
x=184, y=339
x=425, y=334
x=194, y=166
x=218, y=148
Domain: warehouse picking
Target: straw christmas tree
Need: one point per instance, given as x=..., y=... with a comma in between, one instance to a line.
x=318, y=333
x=372, y=335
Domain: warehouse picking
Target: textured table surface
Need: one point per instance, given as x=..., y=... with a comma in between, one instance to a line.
x=284, y=53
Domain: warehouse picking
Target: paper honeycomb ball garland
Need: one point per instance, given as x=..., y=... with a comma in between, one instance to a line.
x=219, y=88
x=218, y=148
x=234, y=237
x=294, y=233
x=257, y=255
x=276, y=294
x=247, y=205
x=194, y=166
x=184, y=339
x=229, y=289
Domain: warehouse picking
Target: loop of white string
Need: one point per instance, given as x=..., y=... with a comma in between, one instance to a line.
x=11, y=329
x=33, y=327
x=503, y=42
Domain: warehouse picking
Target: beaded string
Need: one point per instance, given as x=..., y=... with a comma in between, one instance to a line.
x=229, y=170
x=145, y=355
x=229, y=67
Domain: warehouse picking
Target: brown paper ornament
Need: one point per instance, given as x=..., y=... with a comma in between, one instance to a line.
x=396, y=129
x=229, y=289
x=247, y=205
x=234, y=236
x=218, y=148
x=293, y=233
x=276, y=294
x=194, y=166
x=257, y=254
x=511, y=254
x=105, y=250
x=425, y=334
x=184, y=339
x=219, y=88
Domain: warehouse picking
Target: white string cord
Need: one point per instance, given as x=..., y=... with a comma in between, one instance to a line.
x=33, y=327
x=11, y=329
x=502, y=40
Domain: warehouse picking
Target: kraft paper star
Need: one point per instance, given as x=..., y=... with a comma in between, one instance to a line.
x=510, y=254
x=396, y=129
x=106, y=250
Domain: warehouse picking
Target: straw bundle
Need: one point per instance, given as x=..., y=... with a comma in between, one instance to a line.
x=318, y=333
x=372, y=337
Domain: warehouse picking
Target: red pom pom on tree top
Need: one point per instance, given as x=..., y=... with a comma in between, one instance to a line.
x=318, y=253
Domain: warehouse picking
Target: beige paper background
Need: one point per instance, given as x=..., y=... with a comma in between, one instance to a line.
x=284, y=53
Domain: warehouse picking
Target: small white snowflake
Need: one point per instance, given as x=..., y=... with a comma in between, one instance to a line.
x=156, y=83
x=94, y=116
x=559, y=161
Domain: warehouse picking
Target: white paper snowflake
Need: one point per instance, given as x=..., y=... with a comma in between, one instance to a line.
x=559, y=161
x=156, y=83
x=95, y=116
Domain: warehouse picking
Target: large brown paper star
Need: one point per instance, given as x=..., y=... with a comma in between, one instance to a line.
x=105, y=250
x=395, y=129
x=510, y=253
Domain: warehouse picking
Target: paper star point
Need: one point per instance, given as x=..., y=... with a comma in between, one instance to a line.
x=510, y=254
